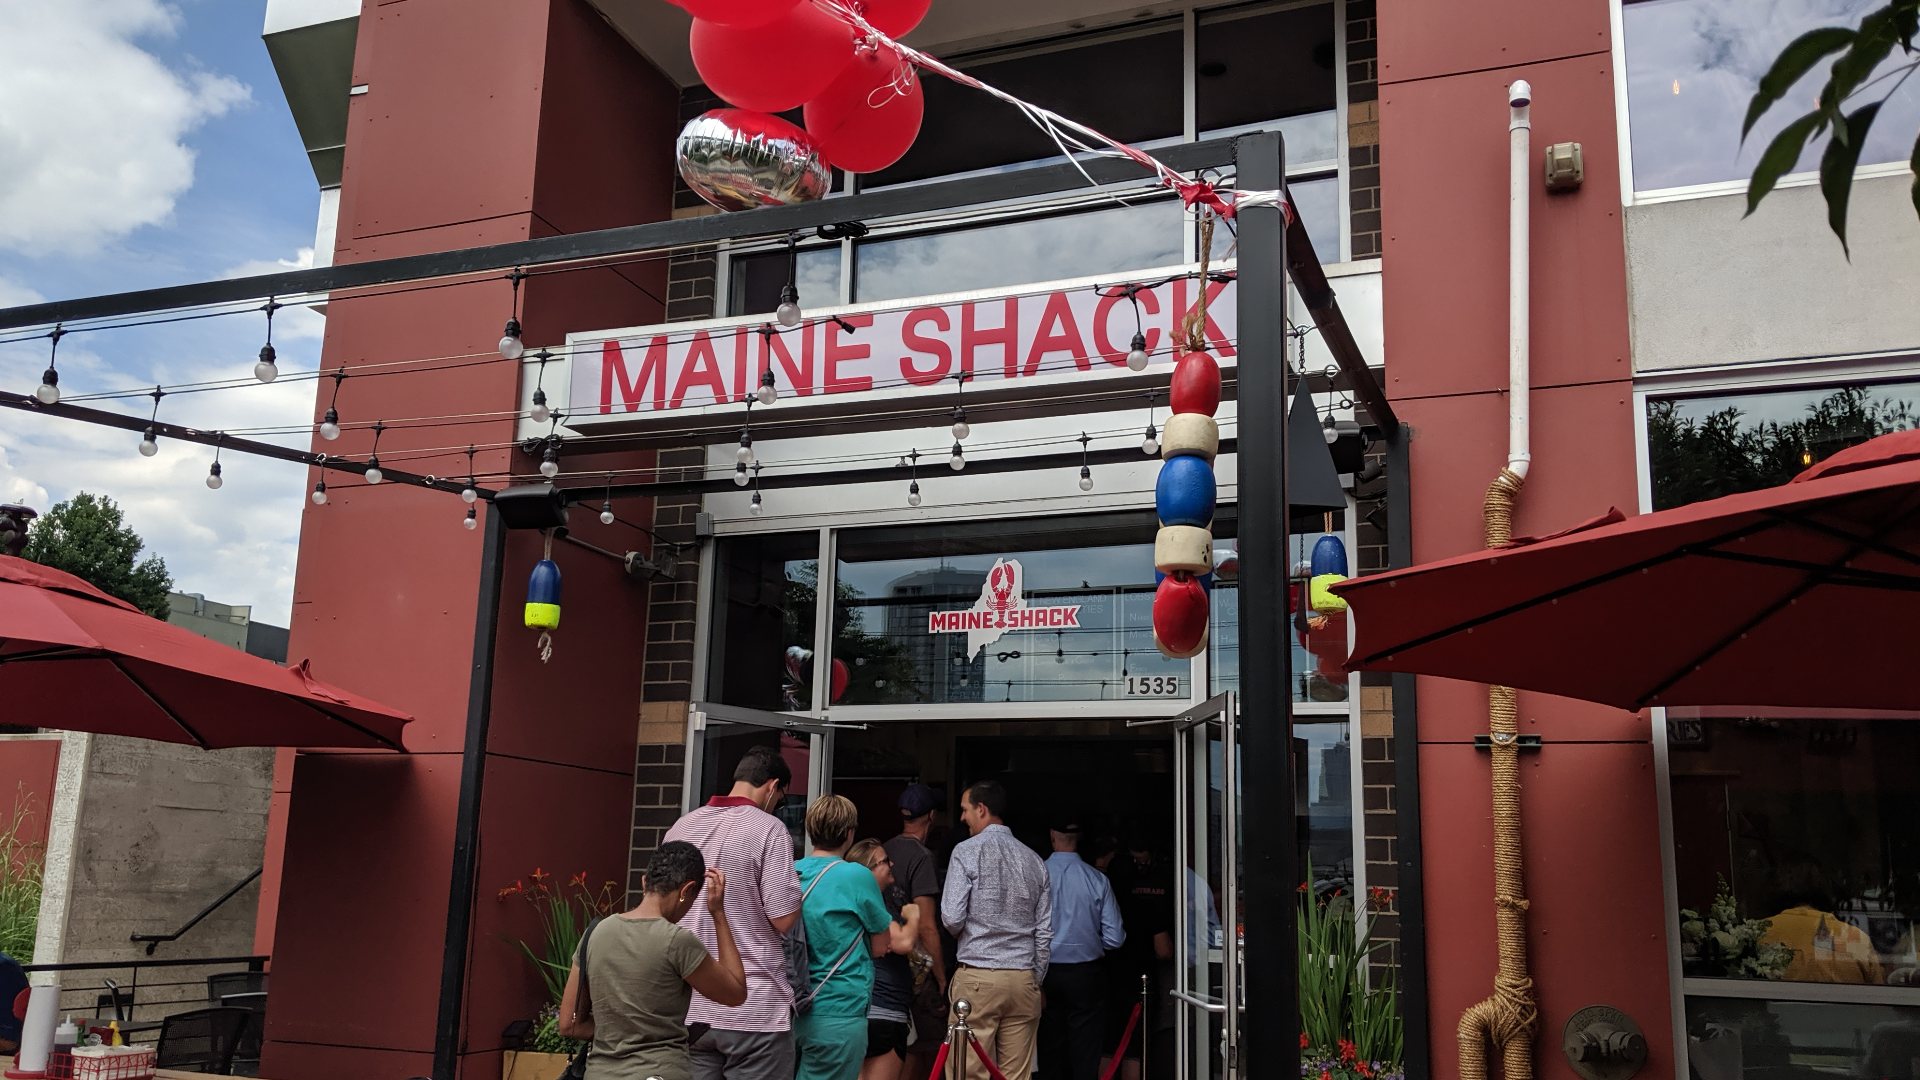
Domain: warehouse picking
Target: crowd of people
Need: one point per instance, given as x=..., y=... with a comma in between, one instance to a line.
x=743, y=963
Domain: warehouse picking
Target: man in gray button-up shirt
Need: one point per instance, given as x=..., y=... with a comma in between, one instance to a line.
x=999, y=903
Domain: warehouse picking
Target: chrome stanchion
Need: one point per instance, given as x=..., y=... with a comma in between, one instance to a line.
x=1145, y=979
x=959, y=1035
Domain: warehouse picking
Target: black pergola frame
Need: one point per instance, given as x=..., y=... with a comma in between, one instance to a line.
x=1271, y=248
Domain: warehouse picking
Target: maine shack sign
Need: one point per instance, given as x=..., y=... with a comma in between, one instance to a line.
x=690, y=380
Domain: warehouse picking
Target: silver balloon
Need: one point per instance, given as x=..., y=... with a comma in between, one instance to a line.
x=737, y=159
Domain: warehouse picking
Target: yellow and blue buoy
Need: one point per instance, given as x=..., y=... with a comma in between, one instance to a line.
x=543, y=596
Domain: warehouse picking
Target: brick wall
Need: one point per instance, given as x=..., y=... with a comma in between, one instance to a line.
x=1363, y=128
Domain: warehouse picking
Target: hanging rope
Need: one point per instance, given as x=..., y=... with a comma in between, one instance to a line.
x=1508, y=1018
x=1194, y=326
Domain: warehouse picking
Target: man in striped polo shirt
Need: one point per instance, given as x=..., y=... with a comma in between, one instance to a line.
x=738, y=834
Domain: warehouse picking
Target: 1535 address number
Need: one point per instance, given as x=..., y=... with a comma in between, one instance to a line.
x=1153, y=686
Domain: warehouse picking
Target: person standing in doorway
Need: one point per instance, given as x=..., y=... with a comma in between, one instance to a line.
x=1086, y=923
x=847, y=926
x=914, y=875
x=738, y=835
x=887, y=1025
x=999, y=903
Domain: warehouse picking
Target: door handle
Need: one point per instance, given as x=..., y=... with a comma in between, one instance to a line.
x=1198, y=1002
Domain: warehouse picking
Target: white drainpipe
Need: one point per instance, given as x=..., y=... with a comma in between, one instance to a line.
x=1519, y=166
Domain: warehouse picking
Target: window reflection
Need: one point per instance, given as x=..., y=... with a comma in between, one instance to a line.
x=890, y=580
x=1693, y=65
x=754, y=281
x=1745, y=1039
x=1103, y=241
x=1796, y=847
x=1322, y=762
x=1319, y=204
x=762, y=621
x=1319, y=641
x=1253, y=64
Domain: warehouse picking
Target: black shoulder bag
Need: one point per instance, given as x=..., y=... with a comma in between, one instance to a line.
x=577, y=1068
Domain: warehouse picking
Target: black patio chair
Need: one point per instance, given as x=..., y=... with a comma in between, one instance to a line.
x=201, y=1040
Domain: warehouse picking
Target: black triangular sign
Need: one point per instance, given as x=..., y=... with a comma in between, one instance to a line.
x=1312, y=483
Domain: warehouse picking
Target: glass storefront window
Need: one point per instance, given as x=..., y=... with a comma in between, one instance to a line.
x=890, y=580
x=1752, y=1039
x=761, y=654
x=1264, y=62
x=1796, y=847
x=754, y=281
x=1319, y=641
x=1705, y=447
x=1692, y=66
x=1108, y=240
x=1323, y=787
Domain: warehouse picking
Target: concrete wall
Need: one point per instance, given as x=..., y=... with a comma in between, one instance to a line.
x=1707, y=287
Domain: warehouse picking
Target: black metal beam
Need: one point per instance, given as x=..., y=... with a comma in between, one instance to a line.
x=230, y=443
x=1409, y=880
x=447, y=1043
x=1270, y=1048
x=1311, y=282
x=633, y=239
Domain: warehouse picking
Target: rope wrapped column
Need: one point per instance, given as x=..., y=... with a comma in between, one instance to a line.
x=1507, y=1019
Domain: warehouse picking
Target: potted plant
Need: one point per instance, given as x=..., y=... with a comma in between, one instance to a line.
x=1721, y=944
x=1349, y=1015
x=564, y=912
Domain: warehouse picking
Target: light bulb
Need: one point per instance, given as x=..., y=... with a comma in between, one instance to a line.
x=374, y=474
x=330, y=426
x=213, y=477
x=958, y=461
x=1151, y=444
x=510, y=345
x=740, y=475
x=320, y=493
x=467, y=494
x=264, y=370
x=606, y=512
x=550, y=463
x=540, y=412
x=754, y=507
x=744, y=455
x=1328, y=431
x=960, y=428
x=470, y=522
x=1137, y=355
x=49, y=389
x=913, y=493
x=768, y=393
x=148, y=445
x=788, y=313
x=1086, y=478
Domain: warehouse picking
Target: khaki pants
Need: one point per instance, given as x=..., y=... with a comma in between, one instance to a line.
x=1005, y=1018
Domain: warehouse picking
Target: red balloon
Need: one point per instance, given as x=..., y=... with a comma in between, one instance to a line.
x=841, y=673
x=738, y=13
x=871, y=114
x=1179, y=612
x=1196, y=384
x=893, y=18
x=775, y=67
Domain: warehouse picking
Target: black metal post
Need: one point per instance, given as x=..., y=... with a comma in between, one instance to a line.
x=1270, y=1045
x=466, y=826
x=1409, y=892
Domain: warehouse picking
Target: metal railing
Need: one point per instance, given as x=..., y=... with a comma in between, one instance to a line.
x=154, y=940
x=147, y=990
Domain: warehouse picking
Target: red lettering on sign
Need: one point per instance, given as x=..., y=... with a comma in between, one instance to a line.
x=740, y=386
x=701, y=369
x=932, y=346
x=1103, y=314
x=1058, y=333
x=832, y=352
x=799, y=379
x=653, y=369
x=1006, y=335
x=1181, y=310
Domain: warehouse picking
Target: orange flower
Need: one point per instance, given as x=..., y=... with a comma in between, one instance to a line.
x=1303, y=1040
x=579, y=879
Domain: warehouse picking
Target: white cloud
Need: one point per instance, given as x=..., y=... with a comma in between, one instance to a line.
x=296, y=321
x=14, y=294
x=91, y=125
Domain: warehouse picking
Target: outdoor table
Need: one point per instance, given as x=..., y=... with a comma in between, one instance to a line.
x=6, y=1060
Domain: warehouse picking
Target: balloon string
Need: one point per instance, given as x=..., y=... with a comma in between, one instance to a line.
x=1063, y=131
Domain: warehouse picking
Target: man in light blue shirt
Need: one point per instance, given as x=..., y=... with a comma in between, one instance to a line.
x=1086, y=923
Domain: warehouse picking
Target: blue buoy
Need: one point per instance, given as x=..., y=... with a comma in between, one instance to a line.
x=1329, y=556
x=1184, y=494
x=543, y=596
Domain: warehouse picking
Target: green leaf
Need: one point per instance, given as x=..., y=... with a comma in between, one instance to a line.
x=1794, y=61
x=1780, y=155
x=1836, y=168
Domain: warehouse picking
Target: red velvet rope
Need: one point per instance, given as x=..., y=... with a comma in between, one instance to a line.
x=1126, y=1037
x=992, y=1069
x=939, y=1061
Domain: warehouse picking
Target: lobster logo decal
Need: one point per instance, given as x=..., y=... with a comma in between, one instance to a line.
x=1002, y=593
x=1002, y=607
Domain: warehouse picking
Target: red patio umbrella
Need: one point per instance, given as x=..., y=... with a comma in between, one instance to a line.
x=1807, y=594
x=75, y=659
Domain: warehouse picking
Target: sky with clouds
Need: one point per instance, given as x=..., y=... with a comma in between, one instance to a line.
x=148, y=144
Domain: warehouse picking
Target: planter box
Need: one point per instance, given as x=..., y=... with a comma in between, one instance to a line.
x=529, y=1065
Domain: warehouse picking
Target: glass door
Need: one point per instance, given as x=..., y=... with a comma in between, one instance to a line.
x=720, y=735
x=1207, y=973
